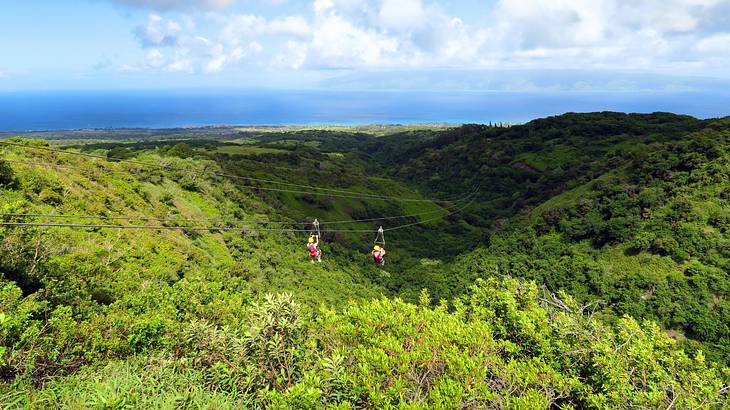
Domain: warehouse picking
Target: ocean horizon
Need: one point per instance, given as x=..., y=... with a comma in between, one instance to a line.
x=67, y=110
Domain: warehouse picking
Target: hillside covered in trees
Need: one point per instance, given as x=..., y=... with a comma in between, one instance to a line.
x=578, y=261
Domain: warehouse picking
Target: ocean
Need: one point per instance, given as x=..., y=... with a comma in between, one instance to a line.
x=33, y=111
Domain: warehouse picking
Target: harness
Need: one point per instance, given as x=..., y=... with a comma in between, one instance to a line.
x=379, y=240
x=314, y=250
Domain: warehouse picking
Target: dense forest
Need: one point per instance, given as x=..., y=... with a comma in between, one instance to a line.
x=577, y=261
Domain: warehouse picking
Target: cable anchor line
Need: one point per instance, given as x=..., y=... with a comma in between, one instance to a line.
x=228, y=228
x=350, y=194
x=219, y=219
x=457, y=200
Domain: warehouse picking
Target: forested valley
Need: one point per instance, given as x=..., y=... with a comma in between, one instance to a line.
x=576, y=261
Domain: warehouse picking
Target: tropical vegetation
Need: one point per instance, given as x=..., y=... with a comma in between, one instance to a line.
x=577, y=261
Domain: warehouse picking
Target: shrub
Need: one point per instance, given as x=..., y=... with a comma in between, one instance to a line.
x=7, y=176
x=274, y=339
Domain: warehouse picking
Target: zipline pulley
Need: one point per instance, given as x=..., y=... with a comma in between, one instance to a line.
x=315, y=228
x=380, y=237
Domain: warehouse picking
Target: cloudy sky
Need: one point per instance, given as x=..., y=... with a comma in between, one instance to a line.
x=458, y=44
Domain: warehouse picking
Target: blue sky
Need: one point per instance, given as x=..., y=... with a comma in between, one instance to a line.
x=614, y=45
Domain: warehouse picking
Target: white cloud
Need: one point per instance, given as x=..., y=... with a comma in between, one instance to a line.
x=719, y=44
x=652, y=35
x=401, y=15
x=176, y=4
x=217, y=59
x=250, y=49
x=158, y=33
x=657, y=35
x=293, y=55
x=242, y=27
x=186, y=47
x=181, y=62
x=155, y=59
x=216, y=64
x=337, y=41
x=291, y=25
x=391, y=34
x=126, y=68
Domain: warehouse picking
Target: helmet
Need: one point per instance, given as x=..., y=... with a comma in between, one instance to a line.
x=376, y=248
x=311, y=239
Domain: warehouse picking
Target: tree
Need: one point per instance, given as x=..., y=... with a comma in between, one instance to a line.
x=7, y=176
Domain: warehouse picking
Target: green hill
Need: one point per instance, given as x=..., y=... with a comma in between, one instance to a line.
x=589, y=270
x=642, y=232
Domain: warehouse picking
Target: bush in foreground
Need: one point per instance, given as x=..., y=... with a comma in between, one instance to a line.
x=507, y=344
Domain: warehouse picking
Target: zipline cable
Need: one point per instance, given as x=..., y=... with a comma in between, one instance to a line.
x=223, y=175
x=192, y=220
x=254, y=187
x=219, y=228
x=150, y=227
x=174, y=219
x=120, y=218
x=48, y=164
x=459, y=210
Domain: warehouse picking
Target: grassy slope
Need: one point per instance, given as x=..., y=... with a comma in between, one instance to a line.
x=128, y=258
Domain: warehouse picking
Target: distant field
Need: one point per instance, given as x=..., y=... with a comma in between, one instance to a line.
x=374, y=129
x=248, y=150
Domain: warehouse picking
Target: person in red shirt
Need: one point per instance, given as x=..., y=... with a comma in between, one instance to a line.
x=378, y=255
x=313, y=246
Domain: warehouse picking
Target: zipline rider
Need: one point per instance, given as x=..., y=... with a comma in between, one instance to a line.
x=378, y=254
x=314, y=251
